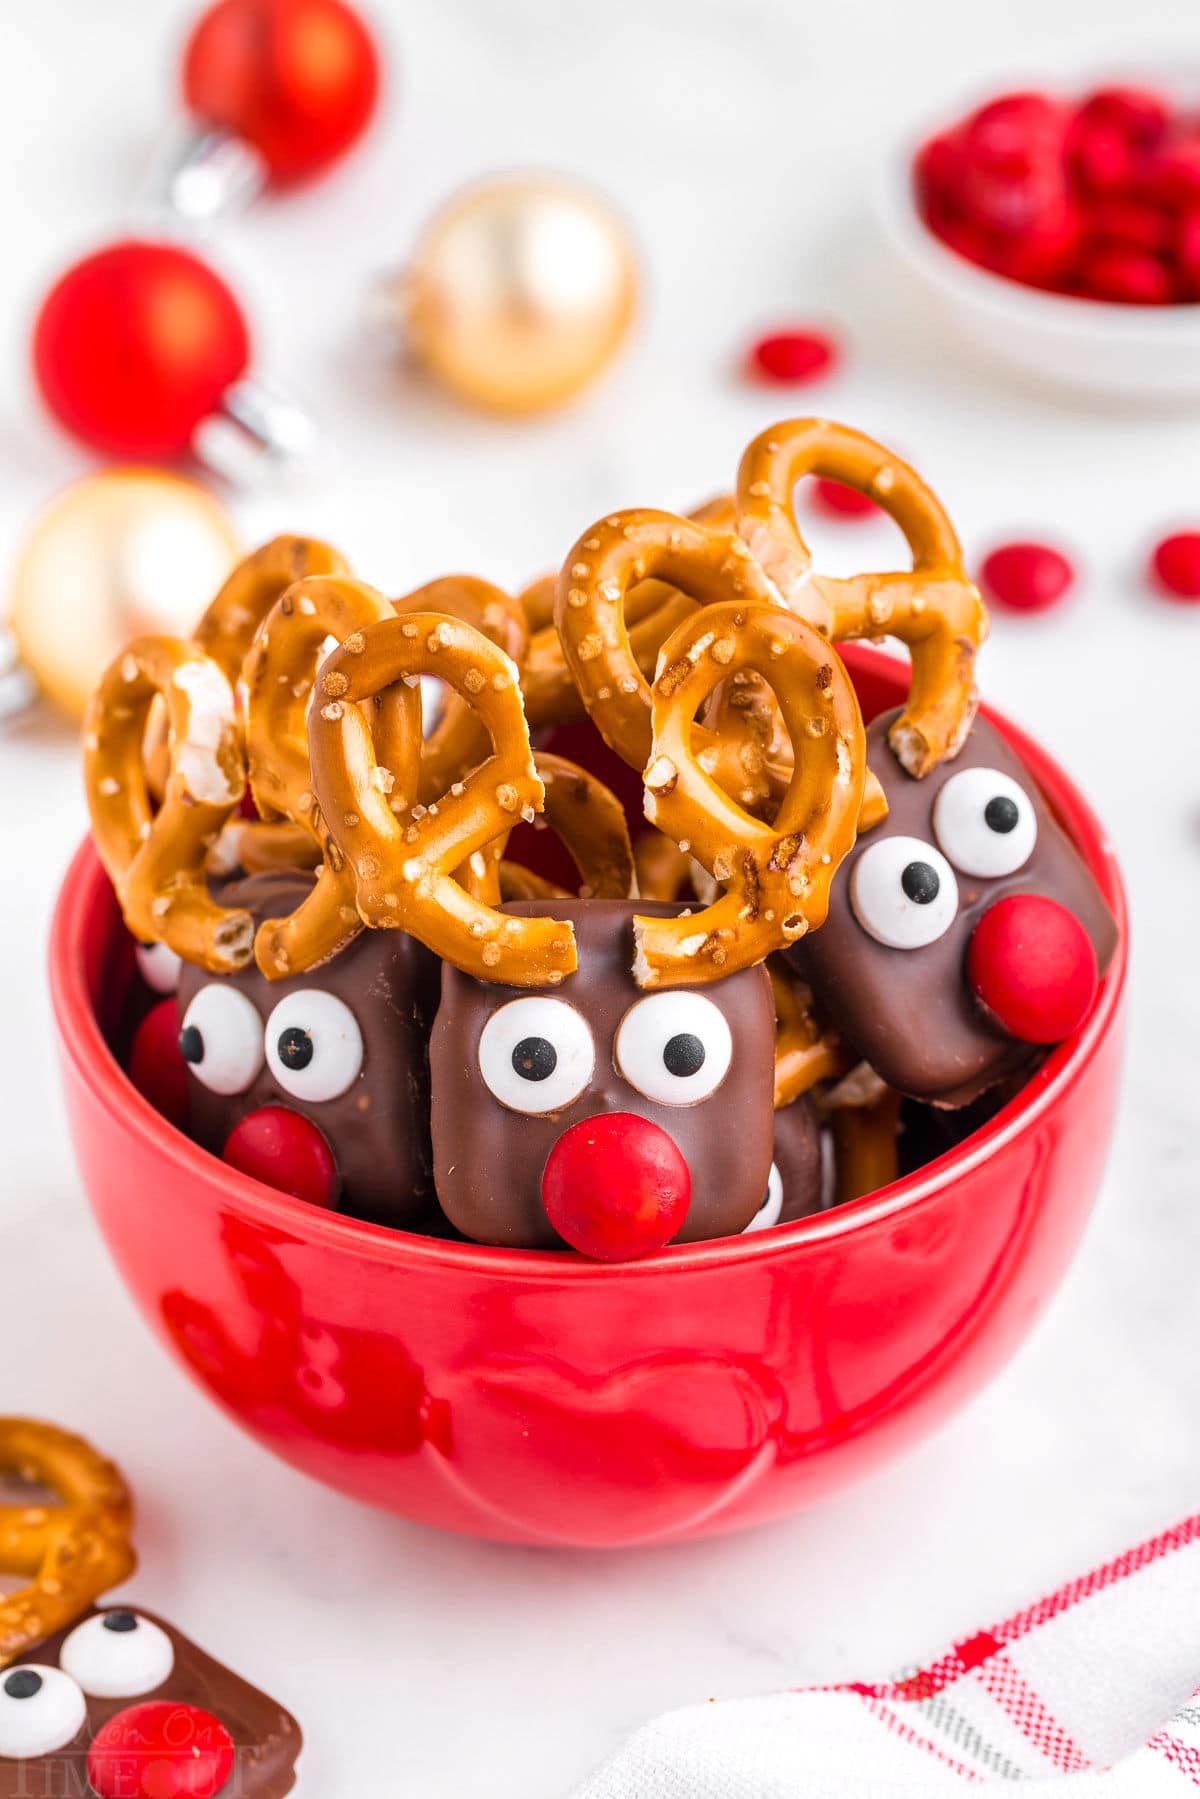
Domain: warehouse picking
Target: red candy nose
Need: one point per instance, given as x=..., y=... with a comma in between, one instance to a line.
x=284, y=1150
x=1032, y=964
x=616, y=1187
x=160, y=1750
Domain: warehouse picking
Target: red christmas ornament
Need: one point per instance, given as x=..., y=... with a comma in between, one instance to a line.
x=135, y=345
x=790, y=357
x=156, y=1068
x=160, y=1749
x=840, y=501
x=1176, y=565
x=616, y=1187
x=1032, y=964
x=1026, y=577
x=296, y=79
x=284, y=1150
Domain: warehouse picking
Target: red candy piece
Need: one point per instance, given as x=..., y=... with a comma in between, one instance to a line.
x=1032, y=964
x=616, y=1187
x=793, y=356
x=280, y=1148
x=135, y=345
x=156, y=1068
x=1176, y=564
x=1026, y=577
x=1130, y=277
x=160, y=1750
x=298, y=79
x=841, y=501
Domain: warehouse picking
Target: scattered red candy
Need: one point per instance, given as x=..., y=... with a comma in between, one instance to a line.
x=1176, y=565
x=793, y=356
x=160, y=1749
x=156, y=1068
x=1032, y=964
x=840, y=500
x=616, y=1187
x=1026, y=577
x=1130, y=277
x=280, y=1148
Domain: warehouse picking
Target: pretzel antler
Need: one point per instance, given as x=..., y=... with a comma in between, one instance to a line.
x=404, y=867
x=459, y=741
x=233, y=620
x=279, y=673
x=589, y=821
x=807, y=1051
x=934, y=608
x=156, y=860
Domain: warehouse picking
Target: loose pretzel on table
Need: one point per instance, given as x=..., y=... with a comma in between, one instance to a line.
x=404, y=866
x=156, y=859
x=71, y=1551
x=933, y=608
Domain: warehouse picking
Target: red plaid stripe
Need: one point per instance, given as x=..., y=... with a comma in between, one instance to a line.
x=1180, y=1755
x=901, y=1728
x=1013, y=1694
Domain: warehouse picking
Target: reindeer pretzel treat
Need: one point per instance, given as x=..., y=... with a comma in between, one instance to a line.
x=403, y=866
x=156, y=860
x=73, y=1550
x=933, y=608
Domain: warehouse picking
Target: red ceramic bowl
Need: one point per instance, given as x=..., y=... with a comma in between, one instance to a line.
x=540, y=1398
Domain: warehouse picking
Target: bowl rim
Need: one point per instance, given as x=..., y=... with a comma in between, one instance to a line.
x=81, y=1039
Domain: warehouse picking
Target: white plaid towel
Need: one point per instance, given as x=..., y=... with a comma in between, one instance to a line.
x=1068, y=1698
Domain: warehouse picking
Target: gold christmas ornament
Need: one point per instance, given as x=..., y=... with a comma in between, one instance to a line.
x=120, y=552
x=519, y=291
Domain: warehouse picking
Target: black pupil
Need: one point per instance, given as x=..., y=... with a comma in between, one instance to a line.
x=920, y=882
x=191, y=1044
x=535, y=1059
x=1001, y=814
x=23, y=1684
x=295, y=1047
x=120, y=1621
x=683, y=1054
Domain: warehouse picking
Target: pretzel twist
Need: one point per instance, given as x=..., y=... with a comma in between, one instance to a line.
x=232, y=621
x=589, y=821
x=458, y=741
x=404, y=868
x=156, y=859
x=279, y=674
x=933, y=608
x=72, y=1551
x=806, y=1050
x=776, y=877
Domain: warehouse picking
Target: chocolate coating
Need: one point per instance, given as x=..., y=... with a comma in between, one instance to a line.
x=488, y=1160
x=378, y=1129
x=910, y=1012
x=798, y=1159
x=266, y=1738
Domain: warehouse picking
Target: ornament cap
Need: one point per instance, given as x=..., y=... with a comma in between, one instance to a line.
x=254, y=430
x=202, y=173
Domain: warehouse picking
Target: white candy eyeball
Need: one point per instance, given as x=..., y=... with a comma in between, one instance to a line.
x=158, y=966
x=118, y=1655
x=314, y=1045
x=771, y=1209
x=903, y=892
x=221, y=1038
x=675, y=1048
x=41, y=1709
x=536, y=1055
x=985, y=822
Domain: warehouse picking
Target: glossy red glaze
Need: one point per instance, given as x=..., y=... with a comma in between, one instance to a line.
x=284, y=1150
x=541, y=1398
x=1032, y=964
x=616, y=1187
x=160, y=1750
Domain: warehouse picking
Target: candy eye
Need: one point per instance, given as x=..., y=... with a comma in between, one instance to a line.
x=903, y=892
x=41, y=1709
x=771, y=1209
x=158, y=966
x=117, y=1655
x=674, y=1048
x=536, y=1055
x=221, y=1038
x=985, y=822
x=314, y=1045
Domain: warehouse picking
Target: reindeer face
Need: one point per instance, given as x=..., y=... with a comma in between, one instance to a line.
x=685, y=1071
x=108, y=1705
x=890, y=965
x=342, y=1048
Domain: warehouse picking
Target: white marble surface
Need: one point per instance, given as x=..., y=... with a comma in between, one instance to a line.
x=740, y=135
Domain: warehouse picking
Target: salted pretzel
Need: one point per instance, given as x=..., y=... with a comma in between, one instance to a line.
x=933, y=607
x=404, y=864
x=156, y=858
x=279, y=674
x=807, y=1052
x=72, y=1551
x=232, y=621
x=775, y=877
x=863, y=1115
x=458, y=741
x=589, y=820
